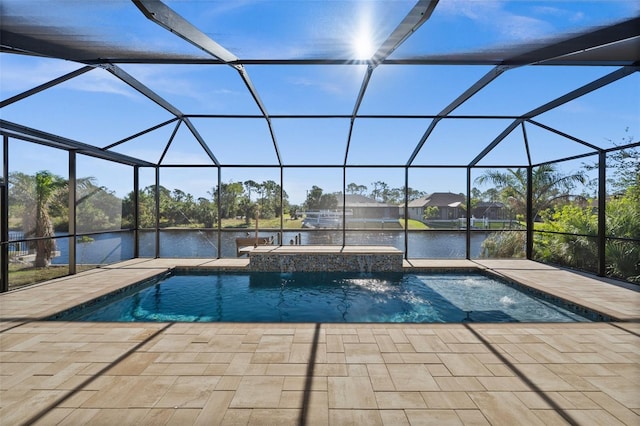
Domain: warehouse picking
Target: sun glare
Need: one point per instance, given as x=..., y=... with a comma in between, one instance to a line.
x=363, y=47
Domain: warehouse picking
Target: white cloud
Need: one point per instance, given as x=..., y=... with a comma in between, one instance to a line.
x=19, y=75
x=517, y=27
x=494, y=17
x=183, y=81
x=576, y=106
x=101, y=81
x=475, y=10
x=323, y=86
x=560, y=13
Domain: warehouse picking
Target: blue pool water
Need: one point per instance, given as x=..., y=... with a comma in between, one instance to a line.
x=324, y=297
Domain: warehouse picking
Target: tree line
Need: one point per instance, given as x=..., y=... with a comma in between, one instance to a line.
x=38, y=204
x=236, y=200
x=317, y=199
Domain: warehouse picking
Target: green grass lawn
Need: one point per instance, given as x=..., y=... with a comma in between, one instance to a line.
x=20, y=275
x=413, y=224
x=297, y=224
x=263, y=223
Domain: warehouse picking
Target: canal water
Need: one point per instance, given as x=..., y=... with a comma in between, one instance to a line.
x=114, y=247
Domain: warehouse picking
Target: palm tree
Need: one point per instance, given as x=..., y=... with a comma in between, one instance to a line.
x=38, y=194
x=251, y=185
x=48, y=188
x=549, y=186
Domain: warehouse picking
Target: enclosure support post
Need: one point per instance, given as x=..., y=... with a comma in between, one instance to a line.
x=157, y=208
x=406, y=212
x=136, y=211
x=4, y=217
x=219, y=211
x=602, y=212
x=529, y=243
x=468, y=226
x=72, y=213
x=344, y=206
x=282, y=206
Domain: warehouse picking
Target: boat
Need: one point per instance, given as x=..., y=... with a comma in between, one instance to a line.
x=322, y=219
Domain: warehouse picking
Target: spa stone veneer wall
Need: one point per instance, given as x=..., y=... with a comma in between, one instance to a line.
x=328, y=262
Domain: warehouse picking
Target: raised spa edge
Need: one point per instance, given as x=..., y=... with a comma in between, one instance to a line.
x=325, y=259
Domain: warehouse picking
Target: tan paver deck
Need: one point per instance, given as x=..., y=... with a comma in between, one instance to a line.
x=339, y=374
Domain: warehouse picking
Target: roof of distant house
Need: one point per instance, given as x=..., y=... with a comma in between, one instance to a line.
x=438, y=199
x=357, y=200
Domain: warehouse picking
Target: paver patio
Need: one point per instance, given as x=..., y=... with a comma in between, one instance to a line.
x=237, y=373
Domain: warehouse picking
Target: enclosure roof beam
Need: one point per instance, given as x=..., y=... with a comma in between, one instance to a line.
x=354, y=114
x=161, y=14
x=475, y=88
x=144, y=132
x=581, y=91
x=587, y=88
x=200, y=140
x=17, y=42
x=45, y=86
x=23, y=132
x=141, y=88
x=579, y=44
x=496, y=141
x=613, y=45
x=565, y=135
x=417, y=16
x=423, y=139
x=484, y=58
x=137, y=85
x=593, y=39
x=170, y=141
x=254, y=93
x=167, y=18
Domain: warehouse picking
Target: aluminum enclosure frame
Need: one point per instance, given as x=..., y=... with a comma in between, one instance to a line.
x=614, y=45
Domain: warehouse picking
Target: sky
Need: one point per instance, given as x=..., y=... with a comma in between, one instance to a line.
x=98, y=109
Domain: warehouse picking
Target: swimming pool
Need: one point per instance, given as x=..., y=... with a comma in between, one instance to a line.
x=197, y=296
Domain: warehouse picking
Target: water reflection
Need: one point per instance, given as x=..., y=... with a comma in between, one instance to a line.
x=114, y=247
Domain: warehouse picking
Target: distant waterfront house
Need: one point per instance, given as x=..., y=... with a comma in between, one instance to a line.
x=446, y=206
x=358, y=211
x=491, y=210
x=362, y=207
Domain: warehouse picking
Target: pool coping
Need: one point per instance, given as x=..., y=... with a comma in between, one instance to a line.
x=607, y=297
x=611, y=298
x=577, y=308
x=591, y=311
